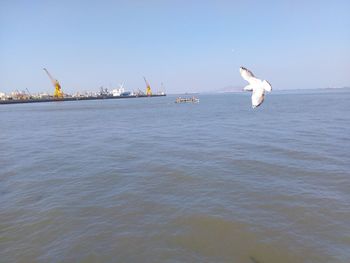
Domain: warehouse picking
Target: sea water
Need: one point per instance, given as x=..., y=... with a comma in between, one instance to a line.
x=149, y=180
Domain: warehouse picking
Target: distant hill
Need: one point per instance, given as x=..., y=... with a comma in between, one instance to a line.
x=231, y=89
x=239, y=89
x=336, y=88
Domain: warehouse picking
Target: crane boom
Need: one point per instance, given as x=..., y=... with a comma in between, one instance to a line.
x=58, y=91
x=28, y=92
x=147, y=84
x=54, y=81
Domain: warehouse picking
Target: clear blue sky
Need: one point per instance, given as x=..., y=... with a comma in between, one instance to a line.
x=188, y=45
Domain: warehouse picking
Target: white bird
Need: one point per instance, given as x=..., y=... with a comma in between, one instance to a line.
x=257, y=86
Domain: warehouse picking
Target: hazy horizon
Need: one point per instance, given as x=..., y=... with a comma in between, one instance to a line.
x=190, y=47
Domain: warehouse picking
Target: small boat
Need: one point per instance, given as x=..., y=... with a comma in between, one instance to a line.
x=187, y=100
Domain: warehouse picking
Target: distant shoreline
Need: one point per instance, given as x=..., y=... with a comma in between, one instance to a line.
x=6, y=102
x=273, y=91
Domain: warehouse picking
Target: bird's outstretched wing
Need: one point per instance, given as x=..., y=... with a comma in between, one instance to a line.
x=258, y=96
x=266, y=86
x=247, y=75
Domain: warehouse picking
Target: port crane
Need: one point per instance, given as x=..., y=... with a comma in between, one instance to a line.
x=148, y=89
x=58, y=91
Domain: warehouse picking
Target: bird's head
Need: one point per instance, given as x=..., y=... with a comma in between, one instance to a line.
x=242, y=69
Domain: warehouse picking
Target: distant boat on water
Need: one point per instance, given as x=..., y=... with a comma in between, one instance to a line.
x=187, y=100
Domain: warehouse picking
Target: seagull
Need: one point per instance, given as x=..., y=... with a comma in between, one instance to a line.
x=257, y=86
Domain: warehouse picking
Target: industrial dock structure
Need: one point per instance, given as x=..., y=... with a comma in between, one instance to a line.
x=118, y=93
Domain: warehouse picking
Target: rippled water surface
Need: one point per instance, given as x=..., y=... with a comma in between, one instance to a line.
x=148, y=180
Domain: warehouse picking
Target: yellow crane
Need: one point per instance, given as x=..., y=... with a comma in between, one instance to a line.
x=148, y=89
x=58, y=91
